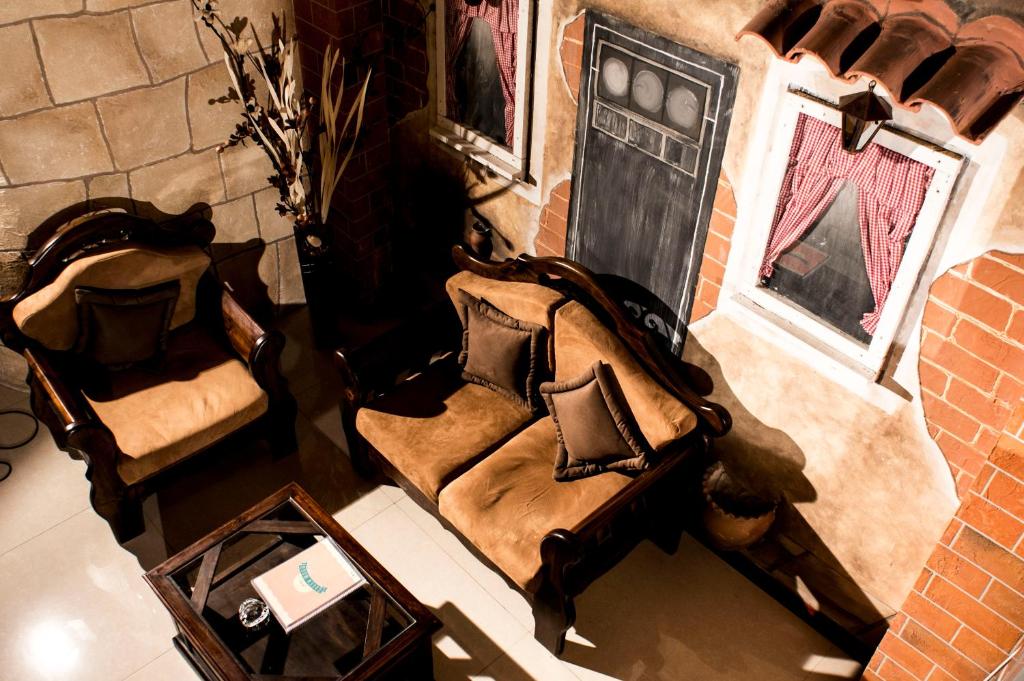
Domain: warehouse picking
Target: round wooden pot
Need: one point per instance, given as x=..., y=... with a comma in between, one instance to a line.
x=734, y=517
x=480, y=240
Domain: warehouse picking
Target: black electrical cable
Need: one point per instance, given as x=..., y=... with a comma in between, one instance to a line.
x=5, y=466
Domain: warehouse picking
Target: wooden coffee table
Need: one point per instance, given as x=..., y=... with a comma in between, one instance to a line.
x=378, y=632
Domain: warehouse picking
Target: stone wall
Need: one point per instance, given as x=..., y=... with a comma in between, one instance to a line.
x=114, y=101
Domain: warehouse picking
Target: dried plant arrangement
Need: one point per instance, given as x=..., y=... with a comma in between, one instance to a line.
x=284, y=121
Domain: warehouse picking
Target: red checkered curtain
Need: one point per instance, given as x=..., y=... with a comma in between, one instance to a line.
x=887, y=212
x=503, y=18
x=890, y=191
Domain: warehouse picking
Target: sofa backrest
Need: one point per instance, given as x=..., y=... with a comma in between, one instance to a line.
x=529, y=302
x=50, y=317
x=581, y=340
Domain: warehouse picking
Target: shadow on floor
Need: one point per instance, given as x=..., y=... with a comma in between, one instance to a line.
x=793, y=554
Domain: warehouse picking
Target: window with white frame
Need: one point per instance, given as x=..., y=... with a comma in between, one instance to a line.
x=844, y=236
x=483, y=58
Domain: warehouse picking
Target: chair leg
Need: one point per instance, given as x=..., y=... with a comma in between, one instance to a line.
x=121, y=510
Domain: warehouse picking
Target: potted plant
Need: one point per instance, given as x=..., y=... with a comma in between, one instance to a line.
x=734, y=516
x=289, y=123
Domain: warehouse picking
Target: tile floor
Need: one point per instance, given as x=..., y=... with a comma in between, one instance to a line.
x=74, y=606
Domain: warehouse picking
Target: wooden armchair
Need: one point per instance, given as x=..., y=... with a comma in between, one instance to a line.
x=218, y=375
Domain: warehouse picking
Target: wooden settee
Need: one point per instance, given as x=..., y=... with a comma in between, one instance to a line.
x=484, y=466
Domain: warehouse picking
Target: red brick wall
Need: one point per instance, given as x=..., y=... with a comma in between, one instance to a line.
x=571, y=53
x=972, y=359
x=554, y=220
x=966, y=611
x=716, y=251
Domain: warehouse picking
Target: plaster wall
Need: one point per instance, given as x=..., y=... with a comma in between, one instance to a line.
x=871, y=491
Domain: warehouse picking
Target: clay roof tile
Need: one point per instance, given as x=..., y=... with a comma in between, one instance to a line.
x=917, y=49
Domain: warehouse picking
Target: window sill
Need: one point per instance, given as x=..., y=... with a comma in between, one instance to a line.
x=466, y=148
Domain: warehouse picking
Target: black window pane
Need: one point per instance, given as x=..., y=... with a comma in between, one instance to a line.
x=478, y=92
x=824, y=271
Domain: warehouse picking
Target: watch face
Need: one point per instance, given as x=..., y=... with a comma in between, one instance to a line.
x=648, y=91
x=682, y=108
x=615, y=76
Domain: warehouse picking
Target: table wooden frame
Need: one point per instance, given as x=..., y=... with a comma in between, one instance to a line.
x=204, y=649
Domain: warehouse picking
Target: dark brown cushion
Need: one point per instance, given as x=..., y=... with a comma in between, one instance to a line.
x=595, y=427
x=120, y=328
x=500, y=352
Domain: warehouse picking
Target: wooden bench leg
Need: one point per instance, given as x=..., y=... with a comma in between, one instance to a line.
x=553, y=615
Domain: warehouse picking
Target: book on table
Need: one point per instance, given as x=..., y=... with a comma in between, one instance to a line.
x=308, y=583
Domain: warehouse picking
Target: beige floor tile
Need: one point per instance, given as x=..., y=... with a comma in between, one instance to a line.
x=319, y=403
x=303, y=365
x=170, y=666
x=493, y=583
x=834, y=665
x=363, y=508
x=687, y=616
x=480, y=629
x=395, y=493
x=527, y=660
x=45, y=487
x=75, y=607
x=223, y=483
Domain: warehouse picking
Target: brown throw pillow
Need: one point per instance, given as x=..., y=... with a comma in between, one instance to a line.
x=595, y=427
x=500, y=352
x=119, y=328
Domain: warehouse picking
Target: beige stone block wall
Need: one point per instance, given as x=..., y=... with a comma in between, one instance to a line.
x=115, y=99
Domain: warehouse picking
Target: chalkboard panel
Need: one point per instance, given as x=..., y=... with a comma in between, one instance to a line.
x=651, y=129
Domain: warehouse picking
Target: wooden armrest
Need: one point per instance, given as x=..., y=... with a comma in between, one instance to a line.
x=377, y=367
x=242, y=330
x=67, y=401
x=261, y=349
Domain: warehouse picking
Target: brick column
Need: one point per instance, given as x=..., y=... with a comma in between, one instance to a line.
x=361, y=209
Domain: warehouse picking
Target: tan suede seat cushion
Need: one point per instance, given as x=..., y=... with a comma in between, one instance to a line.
x=201, y=394
x=581, y=339
x=507, y=503
x=50, y=316
x=531, y=303
x=434, y=426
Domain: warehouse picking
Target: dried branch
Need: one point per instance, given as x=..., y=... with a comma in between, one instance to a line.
x=282, y=124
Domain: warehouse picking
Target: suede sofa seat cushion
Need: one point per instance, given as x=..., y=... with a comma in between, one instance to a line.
x=201, y=394
x=581, y=340
x=434, y=426
x=507, y=503
x=50, y=315
x=531, y=303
